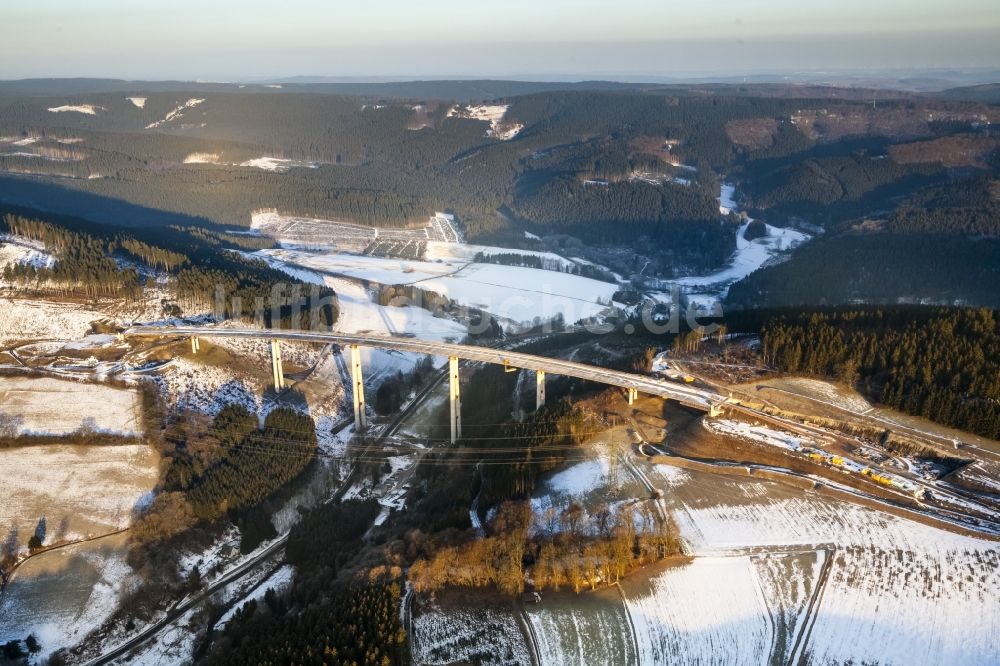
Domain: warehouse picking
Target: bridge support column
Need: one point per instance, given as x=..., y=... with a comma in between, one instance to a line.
x=195, y=344
x=539, y=389
x=455, y=399
x=276, y=370
x=633, y=395
x=360, y=417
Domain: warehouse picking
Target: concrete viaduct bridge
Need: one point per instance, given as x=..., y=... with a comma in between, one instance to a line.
x=689, y=396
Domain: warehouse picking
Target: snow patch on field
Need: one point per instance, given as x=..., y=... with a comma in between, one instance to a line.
x=138, y=101
x=359, y=314
x=361, y=267
x=46, y=405
x=89, y=109
x=755, y=433
x=816, y=389
x=727, y=198
x=788, y=581
x=749, y=256
x=580, y=478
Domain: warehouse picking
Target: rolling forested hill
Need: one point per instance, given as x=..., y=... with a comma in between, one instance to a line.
x=615, y=165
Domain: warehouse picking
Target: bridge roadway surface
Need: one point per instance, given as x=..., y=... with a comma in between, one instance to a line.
x=689, y=396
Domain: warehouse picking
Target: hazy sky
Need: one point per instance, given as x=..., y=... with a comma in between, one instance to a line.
x=230, y=39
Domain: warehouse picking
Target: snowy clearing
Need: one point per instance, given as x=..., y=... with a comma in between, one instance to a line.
x=89, y=109
x=138, y=101
x=278, y=164
x=31, y=320
x=358, y=314
x=749, y=256
x=15, y=251
x=47, y=405
x=491, y=113
x=202, y=158
x=177, y=112
x=755, y=433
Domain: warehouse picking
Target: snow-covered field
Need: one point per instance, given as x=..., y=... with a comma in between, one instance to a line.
x=77, y=490
x=898, y=591
x=31, y=320
x=515, y=294
x=707, y=611
x=361, y=267
x=582, y=629
x=48, y=405
x=779, y=575
x=358, y=314
x=524, y=295
x=140, y=102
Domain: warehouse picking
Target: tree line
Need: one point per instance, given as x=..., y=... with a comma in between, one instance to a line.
x=217, y=467
x=942, y=364
x=573, y=546
x=333, y=613
x=95, y=260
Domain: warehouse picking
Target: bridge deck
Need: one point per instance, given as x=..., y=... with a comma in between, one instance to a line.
x=686, y=395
